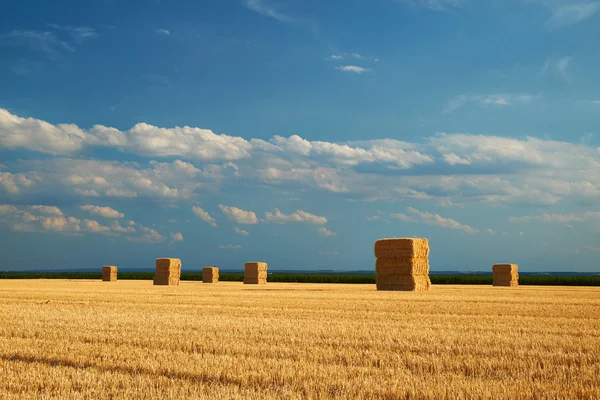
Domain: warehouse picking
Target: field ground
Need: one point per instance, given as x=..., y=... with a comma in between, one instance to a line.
x=130, y=339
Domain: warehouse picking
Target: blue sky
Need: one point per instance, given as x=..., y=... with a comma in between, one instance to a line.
x=299, y=132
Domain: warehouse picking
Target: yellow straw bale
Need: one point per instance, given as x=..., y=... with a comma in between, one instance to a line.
x=168, y=271
x=109, y=273
x=505, y=268
x=398, y=265
x=416, y=283
x=210, y=275
x=402, y=247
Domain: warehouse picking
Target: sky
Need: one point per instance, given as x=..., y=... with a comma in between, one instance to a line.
x=299, y=132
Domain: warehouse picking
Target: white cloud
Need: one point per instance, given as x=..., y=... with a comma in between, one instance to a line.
x=149, y=235
x=203, y=215
x=55, y=44
x=14, y=183
x=596, y=101
x=352, y=68
x=105, y=212
x=241, y=231
x=177, y=236
x=482, y=169
x=358, y=56
x=263, y=7
x=163, y=31
x=498, y=100
x=297, y=216
x=404, y=218
x=570, y=13
x=325, y=232
x=435, y=219
x=48, y=219
x=52, y=210
x=238, y=215
x=558, y=218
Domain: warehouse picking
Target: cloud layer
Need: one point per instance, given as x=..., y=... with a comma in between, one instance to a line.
x=448, y=169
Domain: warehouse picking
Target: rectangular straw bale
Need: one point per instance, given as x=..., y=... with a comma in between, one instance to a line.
x=505, y=268
x=255, y=266
x=402, y=247
x=399, y=265
x=168, y=262
x=416, y=283
x=210, y=275
x=109, y=273
x=499, y=281
x=168, y=271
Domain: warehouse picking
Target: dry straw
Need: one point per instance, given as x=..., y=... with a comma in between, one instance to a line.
x=168, y=271
x=109, y=273
x=210, y=275
x=505, y=275
x=402, y=264
x=255, y=273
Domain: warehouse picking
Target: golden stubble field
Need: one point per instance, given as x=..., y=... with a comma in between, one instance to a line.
x=130, y=339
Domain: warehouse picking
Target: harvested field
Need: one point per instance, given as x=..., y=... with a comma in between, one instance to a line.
x=130, y=339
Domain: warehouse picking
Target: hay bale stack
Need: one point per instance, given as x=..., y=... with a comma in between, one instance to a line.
x=168, y=271
x=506, y=275
x=210, y=275
x=109, y=273
x=255, y=273
x=402, y=264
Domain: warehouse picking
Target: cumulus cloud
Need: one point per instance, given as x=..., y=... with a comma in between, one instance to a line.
x=325, y=232
x=352, y=68
x=52, y=210
x=238, y=215
x=163, y=31
x=297, y=216
x=241, y=231
x=105, y=212
x=450, y=169
x=50, y=219
x=433, y=219
x=177, y=237
x=204, y=216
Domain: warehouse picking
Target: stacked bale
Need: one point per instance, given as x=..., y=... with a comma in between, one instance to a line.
x=168, y=271
x=506, y=275
x=402, y=264
x=210, y=275
x=255, y=273
x=109, y=273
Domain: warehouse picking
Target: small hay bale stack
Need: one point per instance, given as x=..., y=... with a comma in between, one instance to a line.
x=255, y=273
x=402, y=264
x=210, y=275
x=168, y=271
x=109, y=273
x=505, y=275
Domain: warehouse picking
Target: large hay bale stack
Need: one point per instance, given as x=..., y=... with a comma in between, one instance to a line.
x=505, y=275
x=168, y=271
x=402, y=264
x=210, y=275
x=255, y=273
x=109, y=273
